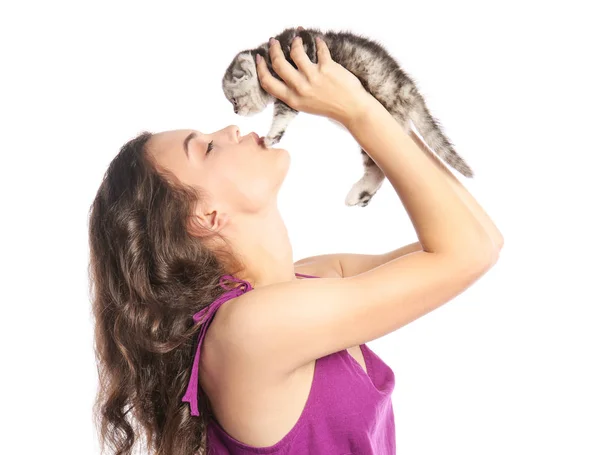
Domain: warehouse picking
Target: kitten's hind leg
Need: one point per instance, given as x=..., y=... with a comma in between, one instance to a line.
x=282, y=117
x=362, y=191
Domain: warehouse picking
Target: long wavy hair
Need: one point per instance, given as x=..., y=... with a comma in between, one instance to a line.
x=150, y=270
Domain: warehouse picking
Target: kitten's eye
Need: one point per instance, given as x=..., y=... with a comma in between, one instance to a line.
x=234, y=102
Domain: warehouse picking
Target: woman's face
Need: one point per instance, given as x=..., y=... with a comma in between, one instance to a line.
x=239, y=173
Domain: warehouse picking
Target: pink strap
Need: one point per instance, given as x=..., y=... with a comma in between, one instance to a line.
x=306, y=276
x=205, y=315
x=191, y=393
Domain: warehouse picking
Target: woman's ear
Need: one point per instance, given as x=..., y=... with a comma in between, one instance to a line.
x=205, y=224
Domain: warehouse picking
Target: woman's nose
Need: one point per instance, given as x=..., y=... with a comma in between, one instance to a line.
x=233, y=132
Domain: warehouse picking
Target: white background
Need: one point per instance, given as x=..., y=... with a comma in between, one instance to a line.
x=511, y=366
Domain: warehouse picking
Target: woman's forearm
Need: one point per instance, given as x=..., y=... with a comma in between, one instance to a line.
x=443, y=222
x=463, y=193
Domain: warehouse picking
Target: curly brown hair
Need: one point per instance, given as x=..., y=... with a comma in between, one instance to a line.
x=149, y=273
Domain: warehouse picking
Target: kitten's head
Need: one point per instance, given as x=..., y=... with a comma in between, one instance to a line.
x=242, y=87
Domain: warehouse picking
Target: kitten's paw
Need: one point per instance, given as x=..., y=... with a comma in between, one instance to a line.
x=361, y=193
x=358, y=196
x=270, y=141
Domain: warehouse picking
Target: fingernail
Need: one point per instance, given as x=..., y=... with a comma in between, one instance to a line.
x=297, y=38
x=258, y=58
x=272, y=41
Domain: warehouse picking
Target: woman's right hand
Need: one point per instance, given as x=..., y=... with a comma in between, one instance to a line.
x=324, y=88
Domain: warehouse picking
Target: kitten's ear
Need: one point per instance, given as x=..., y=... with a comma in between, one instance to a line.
x=239, y=74
x=239, y=77
x=248, y=64
x=243, y=70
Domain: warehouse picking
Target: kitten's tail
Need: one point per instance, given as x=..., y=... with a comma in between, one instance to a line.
x=431, y=131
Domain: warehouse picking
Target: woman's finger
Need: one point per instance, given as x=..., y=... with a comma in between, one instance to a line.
x=323, y=55
x=300, y=58
x=271, y=84
x=286, y=71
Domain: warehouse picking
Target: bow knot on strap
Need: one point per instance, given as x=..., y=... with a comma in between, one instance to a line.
x=205, y=315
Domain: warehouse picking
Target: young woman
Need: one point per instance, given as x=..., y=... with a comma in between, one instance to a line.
x=210, y=339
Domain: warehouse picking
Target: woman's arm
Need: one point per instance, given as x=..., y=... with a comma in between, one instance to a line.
x=463, y=193
x=351, y=264
x=445, y=225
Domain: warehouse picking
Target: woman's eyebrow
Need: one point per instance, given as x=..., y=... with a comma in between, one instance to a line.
x=186, y=141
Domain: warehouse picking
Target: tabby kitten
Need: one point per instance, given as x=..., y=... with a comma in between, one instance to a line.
x=377, y=71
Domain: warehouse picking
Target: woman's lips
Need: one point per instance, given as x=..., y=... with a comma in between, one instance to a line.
x=257, y=139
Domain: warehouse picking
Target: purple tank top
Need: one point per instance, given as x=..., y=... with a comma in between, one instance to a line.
x=348, y=411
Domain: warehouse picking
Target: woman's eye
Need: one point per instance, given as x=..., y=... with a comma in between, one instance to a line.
x=210, y=147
